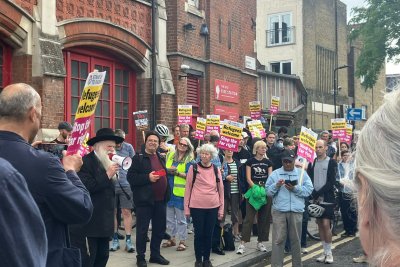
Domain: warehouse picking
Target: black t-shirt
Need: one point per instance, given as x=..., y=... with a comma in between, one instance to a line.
x=259, y=169
x=243, y=154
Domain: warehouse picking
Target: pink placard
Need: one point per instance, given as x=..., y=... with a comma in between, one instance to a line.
x=185, y=120
x=211, y=128
x=255, y=115
x=306, y=152
x=199, y=134
x=78, y=135
x=273, y=110
x=339, y=134
x=228, y=143
x=226, y=91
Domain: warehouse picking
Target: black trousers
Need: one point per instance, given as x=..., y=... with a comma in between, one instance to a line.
x=349, y=213
x=203, y=223
x=98, y=249
x=158, y=216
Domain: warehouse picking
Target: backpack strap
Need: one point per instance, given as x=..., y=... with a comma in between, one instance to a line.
x=195, y=171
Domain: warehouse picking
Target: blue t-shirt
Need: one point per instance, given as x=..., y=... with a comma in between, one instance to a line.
x=126, y=150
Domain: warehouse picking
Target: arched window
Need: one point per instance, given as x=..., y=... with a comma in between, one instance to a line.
x=117, y=99
x=5, y=65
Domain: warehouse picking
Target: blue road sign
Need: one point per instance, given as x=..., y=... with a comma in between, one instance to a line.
x=354, y=114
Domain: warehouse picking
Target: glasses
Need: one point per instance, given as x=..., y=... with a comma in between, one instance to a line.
x=184, y=145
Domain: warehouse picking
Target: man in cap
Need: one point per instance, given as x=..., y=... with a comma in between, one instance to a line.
x=288, y=190
x=98, y=174
x=60, y=195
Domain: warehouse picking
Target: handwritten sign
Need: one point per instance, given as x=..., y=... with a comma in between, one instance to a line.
x=231, y=133
x=184, y=114
x=200, y=128
x=86, y=108
x=255, y=110
x=256, y=129
x=212, y=123
x=274, y=105
x=338, y=127
x=141, y=121
x=307, y=142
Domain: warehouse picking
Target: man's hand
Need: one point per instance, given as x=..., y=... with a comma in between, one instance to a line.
x=36, y=143
x=230, y=178
x=289, y=187
x=153, y=178
x=280, y=183
x=112, y=170
x=171, y=170
x=72, y=162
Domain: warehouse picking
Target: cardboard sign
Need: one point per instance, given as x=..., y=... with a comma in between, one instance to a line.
x=86, y=108
x=307, y=142
x=338, y=127
x=141, y=121
x=231, y=133
x=185, y=114
x=255, y=110
x=256, y=129
x=200, y=128
x=212, y=123
x=349, y=134
x=274, y=105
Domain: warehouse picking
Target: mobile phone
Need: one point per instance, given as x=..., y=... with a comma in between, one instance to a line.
x=160, y=172
x=289, y=182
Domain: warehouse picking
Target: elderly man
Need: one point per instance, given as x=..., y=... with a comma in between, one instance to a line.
x=60, y=195
x=98, y=174
x=148, y=179
x=288, y=191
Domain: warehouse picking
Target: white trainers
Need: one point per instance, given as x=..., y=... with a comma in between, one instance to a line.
x=360, y=259
x=261, y=247
x=304, y=251
x=329, y=258
x=240, y=249
x=321, y=258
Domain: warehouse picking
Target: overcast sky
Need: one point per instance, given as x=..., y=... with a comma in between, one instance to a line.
x=390, y=67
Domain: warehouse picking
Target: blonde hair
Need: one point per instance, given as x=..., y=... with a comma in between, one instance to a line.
x=257, y=145
x=377, y=161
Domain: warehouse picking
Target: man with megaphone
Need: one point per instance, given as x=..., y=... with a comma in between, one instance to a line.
x=98, y=174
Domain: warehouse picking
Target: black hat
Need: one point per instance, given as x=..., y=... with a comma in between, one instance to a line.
x=65, y=126
x=288, y=154
x=105, y=134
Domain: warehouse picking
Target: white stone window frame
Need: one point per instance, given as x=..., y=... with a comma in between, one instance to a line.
x=194, y=3
x=280, y=20
x=281, y=66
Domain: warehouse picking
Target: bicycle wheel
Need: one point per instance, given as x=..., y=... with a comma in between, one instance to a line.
x=312, y=229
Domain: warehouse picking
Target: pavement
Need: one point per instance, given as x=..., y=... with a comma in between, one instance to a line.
x=186, y=258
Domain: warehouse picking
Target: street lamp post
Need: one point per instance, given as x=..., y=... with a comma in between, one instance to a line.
x=335, y=84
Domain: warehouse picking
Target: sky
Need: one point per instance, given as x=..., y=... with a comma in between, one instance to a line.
x=391, y=68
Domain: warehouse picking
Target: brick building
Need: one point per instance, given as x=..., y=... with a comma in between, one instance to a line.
x=208, y=46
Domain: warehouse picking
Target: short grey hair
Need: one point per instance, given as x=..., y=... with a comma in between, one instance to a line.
x=184, y=126
x=377, y=168
x=208, y=148
x=14, y=104
x=120, y=133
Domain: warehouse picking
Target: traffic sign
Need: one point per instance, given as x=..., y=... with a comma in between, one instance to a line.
x=354, y=114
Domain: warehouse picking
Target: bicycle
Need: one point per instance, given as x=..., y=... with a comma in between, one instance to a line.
x=312, y=229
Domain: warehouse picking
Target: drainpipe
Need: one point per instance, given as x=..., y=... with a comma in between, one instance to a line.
x=154, y=61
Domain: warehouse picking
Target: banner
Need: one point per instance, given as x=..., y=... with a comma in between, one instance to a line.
x=273, y=110
x=141, y=121
x=307, y=142
x=226, y=91
x=256, y=129
x=86, y=108
x=231, y=133
x=338, y=127
x=200, y=128
x=212, y=123
x=255, y=110
x=349, y=134
x=185, y=114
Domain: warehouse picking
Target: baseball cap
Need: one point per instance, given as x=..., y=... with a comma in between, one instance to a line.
x=288, y=154
x=65, y=126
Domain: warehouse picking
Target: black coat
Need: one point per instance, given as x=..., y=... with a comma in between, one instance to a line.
x=101, y=188
x=138, y=178
x=328, y=190
x=61, y=197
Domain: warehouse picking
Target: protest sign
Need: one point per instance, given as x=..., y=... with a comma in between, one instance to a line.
x=212, y=123
x=306, y=148
x=255, y=110
x=200, y=128
x=273, y=110
x=86, y=108
x=185, y=114
x=349, y=134
x=231, y=133
x=338, y=127
x=256, y=129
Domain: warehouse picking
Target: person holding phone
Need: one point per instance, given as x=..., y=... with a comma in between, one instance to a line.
x=288, y=190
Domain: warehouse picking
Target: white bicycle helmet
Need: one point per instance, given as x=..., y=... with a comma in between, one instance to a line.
x=315, y=210
x=162, y=130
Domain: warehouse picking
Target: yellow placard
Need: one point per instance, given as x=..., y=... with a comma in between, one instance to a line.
x=201, y=124
x=213, y=120
x=308, y=139
x=255, y=106
x=275, y=101
x=338, y=124
x=88, y=102
x=184, y=110
x=349, y=129
x=231, y=131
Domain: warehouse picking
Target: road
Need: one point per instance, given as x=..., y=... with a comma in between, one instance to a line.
x=345, y=249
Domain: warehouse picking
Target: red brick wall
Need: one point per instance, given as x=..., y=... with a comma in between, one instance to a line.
x=26, y=4
x=22, y=69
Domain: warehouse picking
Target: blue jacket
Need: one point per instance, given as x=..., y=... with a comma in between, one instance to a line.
x=61, y=197
x=283, y=199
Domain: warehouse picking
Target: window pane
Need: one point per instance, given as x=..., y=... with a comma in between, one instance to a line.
x=287, y=68
x=118, y=111
x=118, y=76
x=74, y=69
x=75, y=88
x=84, y=70
x=106, y=108
x=117, y=93
x=275, y=67
x=75, y=102
x=98, y=67
x=126, y=78
x=107, y=79
x=125, y=126
x=98, y=109
x=97, y=124
x=82, y=82
x=106, y=92
x=117, y=124
x=106, y=122
x=126, y=110
x=126, y=94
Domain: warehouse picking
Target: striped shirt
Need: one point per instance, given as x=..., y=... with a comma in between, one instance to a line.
x=234, y=172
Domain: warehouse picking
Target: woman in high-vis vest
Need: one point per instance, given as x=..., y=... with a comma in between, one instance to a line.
x=178, y=163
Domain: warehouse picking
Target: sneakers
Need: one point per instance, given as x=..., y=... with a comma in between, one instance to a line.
x=129, y=246
x=114, y=245
x=304, y=251
x=261, y=247
x=329, y=258
x=240, y=249
x=321, y=258
x=237, y=238
x=360, y=259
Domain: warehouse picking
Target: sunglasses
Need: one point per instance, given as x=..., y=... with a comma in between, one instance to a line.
x=181, y=144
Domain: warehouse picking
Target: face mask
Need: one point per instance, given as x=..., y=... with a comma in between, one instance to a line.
x=279, y=145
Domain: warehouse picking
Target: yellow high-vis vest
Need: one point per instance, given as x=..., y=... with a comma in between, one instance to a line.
x=179, y=182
